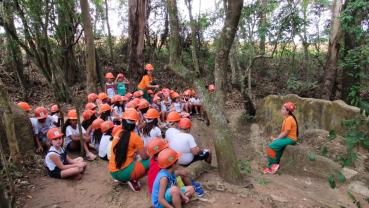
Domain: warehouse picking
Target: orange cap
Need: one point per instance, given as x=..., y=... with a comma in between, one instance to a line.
x=128, y=95
x=54, y=133
x=109, y=75
x=90, y=106
x=104, y=108
x=131, y=104
x=155, y=146
x=91, y=97
x=103, y=96
x=138, y=93
x=173, y=117
x=72, y=114
x=25, y=106
x=184, y=123
x=124, y=98
x=54, y=108
x=106, y=125
x=87, y=114
x=152, y=113
x=167, y=157
x=41, y=113
x=150, y=92
x=131, y=114
x=174, y=95
x=116, y=98
x=290, y=106
x=149, y=67
x=143, y=104
x=96, y=124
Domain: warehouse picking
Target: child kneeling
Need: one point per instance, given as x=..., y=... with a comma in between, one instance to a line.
x=57, y=162
x=165, y=193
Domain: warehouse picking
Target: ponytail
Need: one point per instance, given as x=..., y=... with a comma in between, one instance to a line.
x=121, y=148
x=297, y=125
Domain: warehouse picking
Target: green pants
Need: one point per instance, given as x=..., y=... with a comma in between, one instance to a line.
x=145, y=95
x=134, y=171
x=276, y=148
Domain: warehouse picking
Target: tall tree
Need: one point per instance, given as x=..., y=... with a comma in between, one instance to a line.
x=226, y=157
x=110, y=39
x=330, y=74
x=262, y=25
x=90, y=47
x=136, y=32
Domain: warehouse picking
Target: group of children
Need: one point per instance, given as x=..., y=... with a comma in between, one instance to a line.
x=143, y=133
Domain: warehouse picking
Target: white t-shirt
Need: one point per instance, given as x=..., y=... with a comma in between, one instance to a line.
x=183, y=142
x=69, y=131
x=118, y=110
x=177, y=107
x=52, y=151
x=195, y=101
x=154, y=132
x=42, y=128
x=171, y=133
x=55, y=118
x=103, y=147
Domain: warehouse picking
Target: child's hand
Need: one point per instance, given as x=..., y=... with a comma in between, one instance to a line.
x=272, y=138
x=39, y=149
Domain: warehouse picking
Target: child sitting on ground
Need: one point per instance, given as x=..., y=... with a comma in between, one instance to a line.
x=56, y=115
x=57, y=162
x=151, y=129
x=107, y=129
x=41, y=124
x=165, y=192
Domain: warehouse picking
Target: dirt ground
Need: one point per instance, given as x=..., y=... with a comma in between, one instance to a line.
x=97, y=189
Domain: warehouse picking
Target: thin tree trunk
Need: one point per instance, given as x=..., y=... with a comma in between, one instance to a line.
x=262, y=26
x=110, y=40
x=90, y=48
x=136, y=27
x=330, y=75
x=194, y=51
x=8, y=121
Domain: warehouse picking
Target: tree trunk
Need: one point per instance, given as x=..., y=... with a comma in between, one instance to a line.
x=8, y=121
x=136, y=31
x=90, y=48
x=4, y=201
x=226, y=157
x=175, y=39
x=262, y=26
x=194, y=51
x=110, y=40
x=330, y=74
x=14, y=49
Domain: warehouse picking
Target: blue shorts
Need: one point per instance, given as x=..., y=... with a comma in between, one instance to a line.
x=56, y=173
x=168, y=197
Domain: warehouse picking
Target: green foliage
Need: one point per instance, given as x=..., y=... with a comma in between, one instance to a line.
x=245, y=166
x=324, y=150
x=298, y=86
x=311, y=156
x=341, y=178
x=332, y=135
x=332, y=181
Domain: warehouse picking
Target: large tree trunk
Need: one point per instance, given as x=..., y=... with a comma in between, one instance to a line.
x=110, y=39
x=90, y=47
x=136, y=28
x=8, y=121
x=330, y=75
x=175, y=38
x=225, y=153
x=194, y=51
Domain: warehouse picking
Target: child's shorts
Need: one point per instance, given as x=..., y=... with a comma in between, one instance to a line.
x=168, y=197
x=56, y=173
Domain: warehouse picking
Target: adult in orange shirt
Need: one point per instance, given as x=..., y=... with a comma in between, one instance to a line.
x=288, y=136
x=123, y=164
x=146, y=81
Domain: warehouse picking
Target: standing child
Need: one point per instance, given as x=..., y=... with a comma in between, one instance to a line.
x=288, y=135
x=165, y=192
x=57, y=162
x=121, y=82
x=110, y=87
x=146, y=81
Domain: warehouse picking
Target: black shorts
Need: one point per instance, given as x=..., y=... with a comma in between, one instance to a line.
x=56, y=173
x=203, y=155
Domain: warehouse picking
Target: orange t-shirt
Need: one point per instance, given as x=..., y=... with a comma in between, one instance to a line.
x=289, y=123
x=145, y=82
x=135, y=144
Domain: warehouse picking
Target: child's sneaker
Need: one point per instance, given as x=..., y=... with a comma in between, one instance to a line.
x=199, y=191
x=275, y=168
x=267, y=170
x=134, y=185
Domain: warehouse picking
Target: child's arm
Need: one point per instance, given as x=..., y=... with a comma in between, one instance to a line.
x=59, y=163
x=281, y=135
x=163, y=186
x=126, y=81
